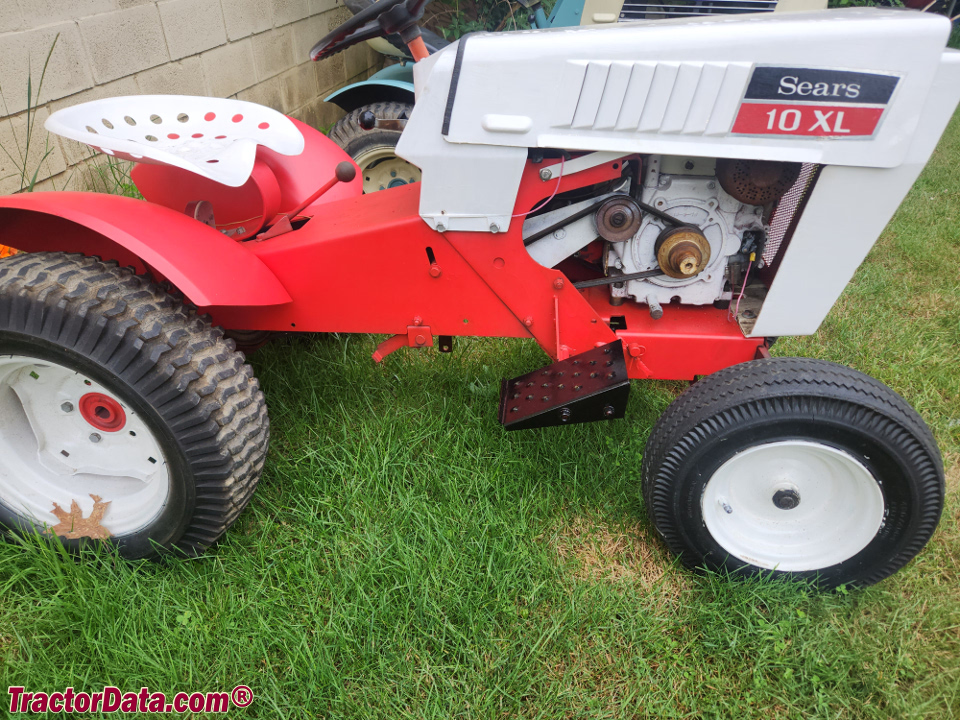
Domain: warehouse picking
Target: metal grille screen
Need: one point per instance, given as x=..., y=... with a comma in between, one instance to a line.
x=637, y=10
x=786, y=209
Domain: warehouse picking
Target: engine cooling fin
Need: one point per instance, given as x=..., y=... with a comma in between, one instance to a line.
x=583, y=388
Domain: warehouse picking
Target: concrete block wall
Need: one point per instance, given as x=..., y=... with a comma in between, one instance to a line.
x=256, y=50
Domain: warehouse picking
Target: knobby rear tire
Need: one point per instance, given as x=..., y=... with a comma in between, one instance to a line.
x=162, y=361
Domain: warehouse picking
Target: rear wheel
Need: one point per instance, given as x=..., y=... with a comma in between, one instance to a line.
x=123, y=415
x=797, y=467
x=374, y=151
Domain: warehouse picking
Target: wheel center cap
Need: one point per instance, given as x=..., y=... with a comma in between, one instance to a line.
x=786, y=499
x=102, y=412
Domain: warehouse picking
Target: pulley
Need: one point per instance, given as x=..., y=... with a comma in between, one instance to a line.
x=682, y=252
x=618, y=219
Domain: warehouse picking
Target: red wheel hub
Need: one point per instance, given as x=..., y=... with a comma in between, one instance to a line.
x=102, y=412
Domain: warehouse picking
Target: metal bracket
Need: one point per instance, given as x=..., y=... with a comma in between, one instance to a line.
x=584, y=162
x=417, y=336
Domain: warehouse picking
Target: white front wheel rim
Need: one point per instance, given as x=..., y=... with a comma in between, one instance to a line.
x=837, y=508
x=52, y=457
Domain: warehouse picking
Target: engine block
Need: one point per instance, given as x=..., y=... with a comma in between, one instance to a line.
x=694, y=199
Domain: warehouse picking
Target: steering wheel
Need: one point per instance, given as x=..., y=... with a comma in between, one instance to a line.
x=383, y=17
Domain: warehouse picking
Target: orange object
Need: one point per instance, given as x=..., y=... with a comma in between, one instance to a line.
x=418, y=49
x=6, y=251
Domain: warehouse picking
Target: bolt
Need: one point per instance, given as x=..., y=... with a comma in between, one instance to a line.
x=440, y=226
x=637, y=350
x=711, y=184
x=545, y=398
x=435, y=271
x=421, y=340
x=95, y=437
x=786, y=499
x=618, y=219
x=494, y=228
x=565, y=414
x=514, y=409
x=67, y=407
x=608, y=411
x=417, y=320
x=560, y=234
x=528, y=321
x=529, y=397
x=546, y=174
x=688, y=165
x=558, y=284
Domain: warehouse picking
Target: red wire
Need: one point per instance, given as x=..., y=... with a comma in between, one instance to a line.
x=736, y=312
x=544, y=203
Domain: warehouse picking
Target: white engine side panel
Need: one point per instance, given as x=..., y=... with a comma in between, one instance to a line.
x=674, y=87
x=671, y=87
x=470, y=188
x=846, y=212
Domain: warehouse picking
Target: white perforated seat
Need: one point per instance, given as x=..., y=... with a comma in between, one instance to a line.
x=213, y=137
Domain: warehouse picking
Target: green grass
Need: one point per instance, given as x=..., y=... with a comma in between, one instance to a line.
x=405, y=558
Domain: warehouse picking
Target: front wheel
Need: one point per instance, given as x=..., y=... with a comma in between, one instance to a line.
x=375, y=151
x=795, y=467
x=124, y=417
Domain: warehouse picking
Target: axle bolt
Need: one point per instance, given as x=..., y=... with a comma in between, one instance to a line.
x=67, y=407
x=786, y=499
x=95, y=437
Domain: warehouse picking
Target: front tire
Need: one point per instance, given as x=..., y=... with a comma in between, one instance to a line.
x=375, y=151
x=123, y=415
x=795, y=467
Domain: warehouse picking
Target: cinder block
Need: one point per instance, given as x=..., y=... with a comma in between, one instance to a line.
x=75, y=152
x=124, y=42
x=246, y=17
x=264, y=93
x=22, y=55
x=177, y=78
x=330, y=73
x=298, y=87
x=306, y=33
x=41, y=155
x=229, y=68
x=124, y=4
x=37, y=13
x=273, y=52
x=356, y=60
x=192, y=26
x=10, y=17
x=288, y=11
x=320, y=6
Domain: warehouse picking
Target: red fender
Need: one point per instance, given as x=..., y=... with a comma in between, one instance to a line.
x=205, y=265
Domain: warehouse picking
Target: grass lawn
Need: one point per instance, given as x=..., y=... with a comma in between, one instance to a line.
x=404, y=557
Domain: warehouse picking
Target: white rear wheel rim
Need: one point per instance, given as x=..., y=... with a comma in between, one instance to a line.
x=50, y=455
x=839, y=506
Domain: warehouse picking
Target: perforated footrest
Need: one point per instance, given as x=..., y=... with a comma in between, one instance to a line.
x=584, y=388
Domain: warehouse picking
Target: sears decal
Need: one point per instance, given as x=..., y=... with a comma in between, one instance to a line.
x=808, y=102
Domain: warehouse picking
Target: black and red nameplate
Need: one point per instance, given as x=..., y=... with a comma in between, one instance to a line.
x=811, y=102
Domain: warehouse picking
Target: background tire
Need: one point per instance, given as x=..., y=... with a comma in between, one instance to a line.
x=137, y=390
x=374, y=151
x=796, y=467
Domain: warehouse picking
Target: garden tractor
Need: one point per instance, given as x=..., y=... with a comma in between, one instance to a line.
x=664, y=201
x=389, y=93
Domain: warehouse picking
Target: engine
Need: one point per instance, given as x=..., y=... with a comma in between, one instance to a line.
x=704, y=224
